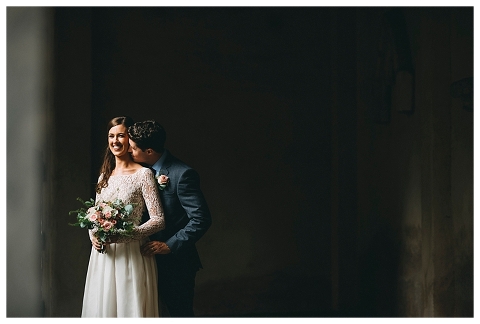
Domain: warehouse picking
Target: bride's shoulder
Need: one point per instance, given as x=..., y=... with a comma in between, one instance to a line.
x=144, y=170
x=145, y=175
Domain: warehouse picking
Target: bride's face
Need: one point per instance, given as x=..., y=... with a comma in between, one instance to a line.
x=118, y=140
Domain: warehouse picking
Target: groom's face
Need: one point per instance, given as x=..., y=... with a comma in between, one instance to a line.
x=138, y=155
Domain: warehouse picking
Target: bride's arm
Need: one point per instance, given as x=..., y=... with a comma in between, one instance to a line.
x=155, y=210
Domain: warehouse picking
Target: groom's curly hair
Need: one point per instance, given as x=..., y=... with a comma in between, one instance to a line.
x=148, y=134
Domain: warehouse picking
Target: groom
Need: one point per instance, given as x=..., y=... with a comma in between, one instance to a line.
x=187, y=218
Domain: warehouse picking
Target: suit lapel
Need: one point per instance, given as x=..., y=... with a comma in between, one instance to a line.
x=166, y=164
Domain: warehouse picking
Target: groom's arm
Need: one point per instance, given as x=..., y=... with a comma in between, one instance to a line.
x=196, y=208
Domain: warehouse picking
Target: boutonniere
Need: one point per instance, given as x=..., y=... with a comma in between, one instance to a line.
x=162, y=181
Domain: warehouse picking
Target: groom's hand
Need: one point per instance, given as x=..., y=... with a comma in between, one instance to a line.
x=154, y=247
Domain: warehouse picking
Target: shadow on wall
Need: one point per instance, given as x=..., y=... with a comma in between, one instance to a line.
x=378, y=275
x=284, y=293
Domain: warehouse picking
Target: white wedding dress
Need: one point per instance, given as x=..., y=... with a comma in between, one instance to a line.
x=122, y=282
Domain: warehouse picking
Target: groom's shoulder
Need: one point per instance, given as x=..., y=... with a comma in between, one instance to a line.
x=177, y=163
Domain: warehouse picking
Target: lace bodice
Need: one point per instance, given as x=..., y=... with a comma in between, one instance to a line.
x=141, y=189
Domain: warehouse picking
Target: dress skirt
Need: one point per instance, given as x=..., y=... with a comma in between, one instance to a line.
x=121, y=283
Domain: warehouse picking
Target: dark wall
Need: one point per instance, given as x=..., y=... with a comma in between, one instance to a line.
x=244, y=96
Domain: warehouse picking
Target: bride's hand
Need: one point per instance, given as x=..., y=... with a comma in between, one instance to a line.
x=96, y=243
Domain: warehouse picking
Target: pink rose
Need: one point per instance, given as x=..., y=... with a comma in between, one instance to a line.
x=92, y=214
x=163, y=181
x=93, y=217
x=107, y=225
x=107, y=210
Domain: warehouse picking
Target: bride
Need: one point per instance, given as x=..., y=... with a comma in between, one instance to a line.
x=122, y=282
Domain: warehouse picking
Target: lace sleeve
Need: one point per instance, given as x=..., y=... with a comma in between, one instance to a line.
x=154, y=206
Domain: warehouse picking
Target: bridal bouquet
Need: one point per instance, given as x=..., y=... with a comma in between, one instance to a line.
x=106, y=218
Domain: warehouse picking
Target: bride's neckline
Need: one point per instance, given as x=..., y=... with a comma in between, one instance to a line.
x=126, y=174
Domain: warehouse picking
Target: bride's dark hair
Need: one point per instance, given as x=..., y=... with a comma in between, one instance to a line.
x=109, y=159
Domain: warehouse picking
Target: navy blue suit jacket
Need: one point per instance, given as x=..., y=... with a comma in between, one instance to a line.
x=187, y=216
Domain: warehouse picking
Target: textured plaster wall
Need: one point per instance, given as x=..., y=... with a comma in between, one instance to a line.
x=29, y=37
x=416, y=176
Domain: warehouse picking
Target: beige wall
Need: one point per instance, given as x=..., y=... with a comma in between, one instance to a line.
x=29, y=49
